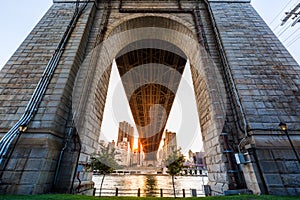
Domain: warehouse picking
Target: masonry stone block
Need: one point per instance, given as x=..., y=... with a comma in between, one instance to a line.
x=30, y=177
x=273, y=179
x=290, y=180
x=11, y=177
x=24, y=189
x=290, y=167
x=38, y=153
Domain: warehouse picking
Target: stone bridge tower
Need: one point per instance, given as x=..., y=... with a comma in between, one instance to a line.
x=53, y=91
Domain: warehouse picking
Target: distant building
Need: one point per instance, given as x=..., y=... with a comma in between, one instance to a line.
x=126, y=131
x=197, y=159
x=122, y=157
x=122, y=152
x=104, y=144
x=194, y=164
x=137, y=155
x=124, y=144
x=135, y=158
x=170, y=144
x=160, y=156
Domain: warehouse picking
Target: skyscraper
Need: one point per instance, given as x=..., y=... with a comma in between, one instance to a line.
x=170, y=143
x=126, y=131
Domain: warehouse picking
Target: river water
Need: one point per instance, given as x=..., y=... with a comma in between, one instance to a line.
x=150, y=185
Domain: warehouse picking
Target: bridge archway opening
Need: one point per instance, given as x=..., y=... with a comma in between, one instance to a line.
x=150, y=71
x=130, y=42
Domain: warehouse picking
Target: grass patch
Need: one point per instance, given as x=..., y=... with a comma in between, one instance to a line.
x=81, y=197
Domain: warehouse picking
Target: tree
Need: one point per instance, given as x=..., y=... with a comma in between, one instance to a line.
x=104, y=162
x=174, y=163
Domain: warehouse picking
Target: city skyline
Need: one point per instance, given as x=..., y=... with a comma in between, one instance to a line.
x=183, y=118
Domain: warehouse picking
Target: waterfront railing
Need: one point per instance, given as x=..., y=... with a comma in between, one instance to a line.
x=167, y=192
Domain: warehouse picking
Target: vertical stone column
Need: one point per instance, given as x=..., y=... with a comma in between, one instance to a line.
x=32, y=167
x=267, y=82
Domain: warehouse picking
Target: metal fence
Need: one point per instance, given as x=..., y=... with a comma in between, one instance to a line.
x=149, y=193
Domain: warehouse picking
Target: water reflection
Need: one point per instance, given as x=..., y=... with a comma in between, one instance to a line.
x=150, y=185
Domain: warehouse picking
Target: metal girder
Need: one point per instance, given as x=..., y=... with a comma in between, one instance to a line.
x=151, y=77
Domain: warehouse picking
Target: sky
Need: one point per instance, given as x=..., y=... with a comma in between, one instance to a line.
x=15, y=13
x=273, y=11
x=17, y=19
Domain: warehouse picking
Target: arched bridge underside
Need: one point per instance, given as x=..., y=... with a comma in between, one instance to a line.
x=150, y=85
x=241, y=98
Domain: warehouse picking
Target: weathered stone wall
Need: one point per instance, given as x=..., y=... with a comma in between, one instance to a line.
x=21, y=73
x=32, y=166
x=266, y=75
x=267, y=78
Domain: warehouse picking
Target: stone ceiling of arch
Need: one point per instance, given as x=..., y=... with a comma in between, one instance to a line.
x=154, y=20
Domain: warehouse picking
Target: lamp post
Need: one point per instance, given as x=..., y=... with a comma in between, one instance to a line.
x=283, y=127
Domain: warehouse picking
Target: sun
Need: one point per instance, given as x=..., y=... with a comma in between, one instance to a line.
x=135, y=144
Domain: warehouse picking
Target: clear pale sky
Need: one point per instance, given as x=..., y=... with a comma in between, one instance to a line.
x=17, y=18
